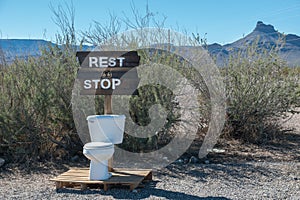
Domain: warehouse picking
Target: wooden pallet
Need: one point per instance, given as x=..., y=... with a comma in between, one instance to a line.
x=79, y=177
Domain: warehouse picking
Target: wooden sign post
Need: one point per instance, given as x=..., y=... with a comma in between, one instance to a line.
x=102, y=73
x=107, y=111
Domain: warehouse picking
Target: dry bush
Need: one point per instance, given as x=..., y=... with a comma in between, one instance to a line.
x=35, y=110
x=259, y=87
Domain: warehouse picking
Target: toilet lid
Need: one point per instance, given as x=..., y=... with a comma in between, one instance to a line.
x=98, y=145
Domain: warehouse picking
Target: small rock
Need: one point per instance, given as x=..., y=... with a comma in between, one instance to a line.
x=215, y=150
x=134, y=191
x=265, y=195
x=75, y=158
x=179, y=161
x=206, y=161
x=218, y=150
x=2, y=161
x=193, y=159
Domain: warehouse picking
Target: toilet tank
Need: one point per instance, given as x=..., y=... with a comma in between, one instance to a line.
x=106, y=128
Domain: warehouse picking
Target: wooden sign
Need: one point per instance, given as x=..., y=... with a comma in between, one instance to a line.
x=108, y=72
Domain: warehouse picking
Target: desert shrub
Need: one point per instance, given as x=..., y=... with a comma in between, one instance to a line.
x=35, y=110
x=139, y=112
x=259, y=88
x=36, y=119
x=157, y=94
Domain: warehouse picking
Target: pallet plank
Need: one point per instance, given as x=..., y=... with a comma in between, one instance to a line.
x=80, y=177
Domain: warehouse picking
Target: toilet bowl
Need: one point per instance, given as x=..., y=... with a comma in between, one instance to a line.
x=99, y=153
x=105, y=131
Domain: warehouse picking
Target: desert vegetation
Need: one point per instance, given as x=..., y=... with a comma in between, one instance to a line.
x=260, y=87
x=36, y=121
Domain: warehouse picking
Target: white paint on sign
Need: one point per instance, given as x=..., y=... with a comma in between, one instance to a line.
x=105, y=61
x=103, y=83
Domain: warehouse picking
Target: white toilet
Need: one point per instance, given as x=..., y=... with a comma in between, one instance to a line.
x=105, y=131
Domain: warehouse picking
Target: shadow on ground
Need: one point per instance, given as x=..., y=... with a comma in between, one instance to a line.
x=235, y=173
x=146, y=192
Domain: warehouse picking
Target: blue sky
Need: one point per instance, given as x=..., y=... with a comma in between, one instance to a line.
x=223, y=21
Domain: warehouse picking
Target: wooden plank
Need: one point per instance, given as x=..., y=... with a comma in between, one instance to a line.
x=105, y=187
x=58, y=185
x=133, y=186
x=124, y=91
x=107, y=104
x=96, y=73
x=148, y=177
x=118, y=172
x=118, y=76
x=80, y=178
x=126, y=86
x=107, y=111
x=83, y=186
x=131, y=58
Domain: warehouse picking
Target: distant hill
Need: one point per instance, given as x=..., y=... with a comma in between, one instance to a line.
x=266, y=35
x=23, y=48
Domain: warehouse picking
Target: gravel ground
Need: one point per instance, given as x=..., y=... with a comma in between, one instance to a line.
x=252, y=180
x=231, y=177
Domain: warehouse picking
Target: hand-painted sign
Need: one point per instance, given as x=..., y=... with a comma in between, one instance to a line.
x=108, y=72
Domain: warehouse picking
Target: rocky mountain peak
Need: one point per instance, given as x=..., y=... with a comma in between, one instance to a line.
x=264, y=28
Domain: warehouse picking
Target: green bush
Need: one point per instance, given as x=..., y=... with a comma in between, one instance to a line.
x=35, y=110
x=259, y=88
x=149, y=95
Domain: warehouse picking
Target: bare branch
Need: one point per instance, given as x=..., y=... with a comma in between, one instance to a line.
x=98, y=33
x=64, y=18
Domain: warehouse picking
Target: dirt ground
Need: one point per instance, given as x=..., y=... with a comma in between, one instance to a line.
x=242, y=171
x=283, y=148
